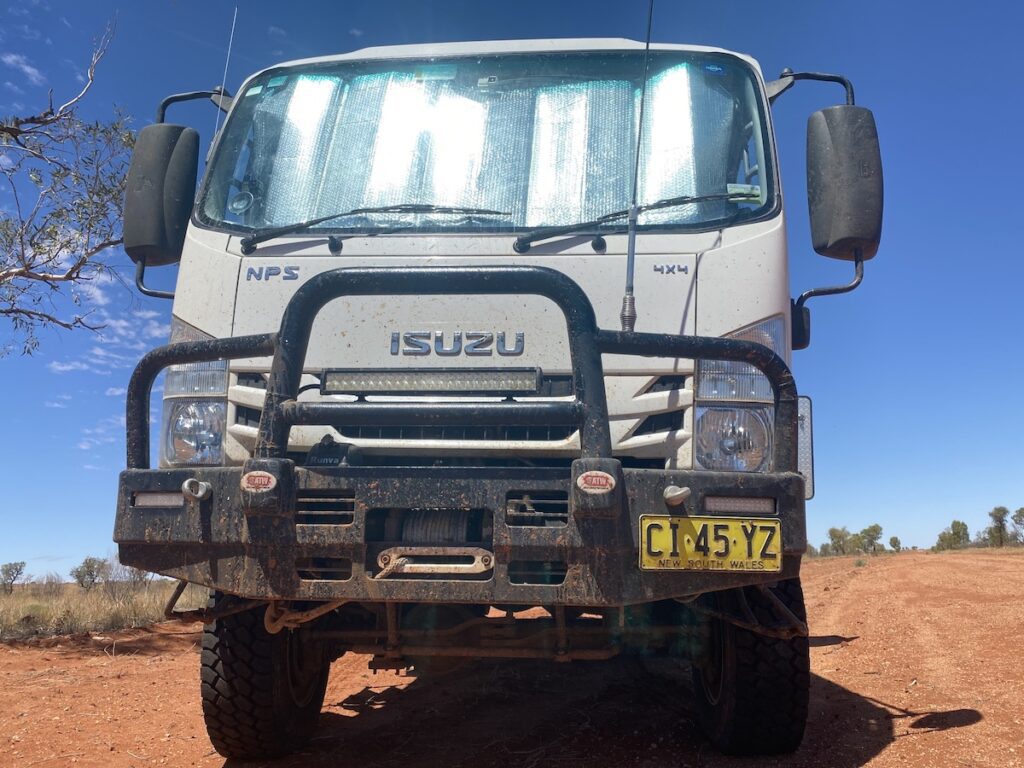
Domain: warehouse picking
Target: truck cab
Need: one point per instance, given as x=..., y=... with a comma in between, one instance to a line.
x=481, y=350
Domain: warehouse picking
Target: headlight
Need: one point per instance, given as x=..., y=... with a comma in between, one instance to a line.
x=734, y=439
x=735, y=414
x=193, y=431
x=193, y=421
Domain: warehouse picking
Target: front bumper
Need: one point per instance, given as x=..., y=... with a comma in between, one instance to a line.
x=220, y=543
x=257, y=542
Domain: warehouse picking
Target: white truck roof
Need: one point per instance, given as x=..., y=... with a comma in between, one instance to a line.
x=508, y=46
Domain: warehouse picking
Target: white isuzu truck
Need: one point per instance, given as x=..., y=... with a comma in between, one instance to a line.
x=480, y=350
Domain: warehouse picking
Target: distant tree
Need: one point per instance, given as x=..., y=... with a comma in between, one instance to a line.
x=91, y=572
x=960, y=533
x=825, y=550
x=894, y=543
x=1017, y=518
x=839, y=541
x=9, y=575
x=50, y=586
x=62, y=215
x=957, y=536
x=811, y=551
x=870, y=537
x=997, y=532
x=121, y=581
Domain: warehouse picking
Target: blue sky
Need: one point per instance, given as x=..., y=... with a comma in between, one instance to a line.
x=916, y=377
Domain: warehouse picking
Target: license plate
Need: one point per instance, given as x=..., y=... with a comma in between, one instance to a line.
x=709, y=544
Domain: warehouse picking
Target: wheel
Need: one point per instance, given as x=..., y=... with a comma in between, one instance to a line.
x=261, y=693
x=752, y=690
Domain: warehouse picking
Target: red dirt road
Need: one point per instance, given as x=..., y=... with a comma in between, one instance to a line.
x=918, y=660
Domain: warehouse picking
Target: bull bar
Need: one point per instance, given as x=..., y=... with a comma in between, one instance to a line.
x=247, y=542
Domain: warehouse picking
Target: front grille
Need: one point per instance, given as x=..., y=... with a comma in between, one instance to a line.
x=250, y=417
x=503, y=433
x=649, y=423
x=660, y=422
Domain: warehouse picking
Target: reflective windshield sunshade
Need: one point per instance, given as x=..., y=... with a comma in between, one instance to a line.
x=547, y=137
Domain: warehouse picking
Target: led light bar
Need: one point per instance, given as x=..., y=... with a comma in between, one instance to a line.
x=740, y=505
x=431, y=381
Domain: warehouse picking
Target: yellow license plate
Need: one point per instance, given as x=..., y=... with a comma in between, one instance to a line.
x=710, y=544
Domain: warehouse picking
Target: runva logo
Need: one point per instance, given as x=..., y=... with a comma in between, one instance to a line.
x=471, y=343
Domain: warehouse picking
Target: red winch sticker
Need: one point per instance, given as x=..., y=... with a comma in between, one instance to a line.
x=595, y=481
x=258, y=481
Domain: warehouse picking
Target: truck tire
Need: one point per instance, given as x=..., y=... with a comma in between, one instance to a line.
x=752, y=690
x=261, y=693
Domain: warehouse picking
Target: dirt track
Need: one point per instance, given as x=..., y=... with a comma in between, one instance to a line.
x=917, y=659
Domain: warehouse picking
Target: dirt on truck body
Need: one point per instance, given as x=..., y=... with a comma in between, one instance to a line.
x=454, y=441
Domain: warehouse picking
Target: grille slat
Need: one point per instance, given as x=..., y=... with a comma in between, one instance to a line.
x=330, y=507
x=537, y=509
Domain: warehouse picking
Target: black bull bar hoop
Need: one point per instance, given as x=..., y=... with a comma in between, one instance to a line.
x=587, y=342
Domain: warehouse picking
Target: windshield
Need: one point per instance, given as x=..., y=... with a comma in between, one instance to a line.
x=539, y=140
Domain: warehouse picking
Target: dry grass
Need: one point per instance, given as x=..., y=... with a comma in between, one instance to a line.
x=64, y=609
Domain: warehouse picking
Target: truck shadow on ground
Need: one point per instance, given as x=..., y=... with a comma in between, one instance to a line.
x=613, y=714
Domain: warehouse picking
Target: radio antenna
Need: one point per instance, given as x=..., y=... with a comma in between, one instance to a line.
x=627, y=315
x=224, y=77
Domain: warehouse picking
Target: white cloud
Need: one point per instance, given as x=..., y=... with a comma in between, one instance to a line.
x=65, y=22
x=105, y=432
x=155, y=330
x=20, y=63
x=123, y=338
x=92, y=468
x=12, y=87
x=55, y=404
x=356, y=32
x=273, y=31
x=94, y=293
x=115, y=391
x=28, y=33
x=74, y=365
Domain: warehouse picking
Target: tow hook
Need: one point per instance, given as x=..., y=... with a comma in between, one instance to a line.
x=196, y=490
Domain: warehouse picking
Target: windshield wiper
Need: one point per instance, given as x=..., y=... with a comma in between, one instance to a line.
x=523, y=242
x=250, y=242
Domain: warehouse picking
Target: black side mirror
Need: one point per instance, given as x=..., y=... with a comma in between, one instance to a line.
x=159, y=193
x=844, y=182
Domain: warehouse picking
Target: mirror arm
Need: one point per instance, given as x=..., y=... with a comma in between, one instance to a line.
x=776, y=88
x=140, y=275
x=815, y=292
x=219, y=96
